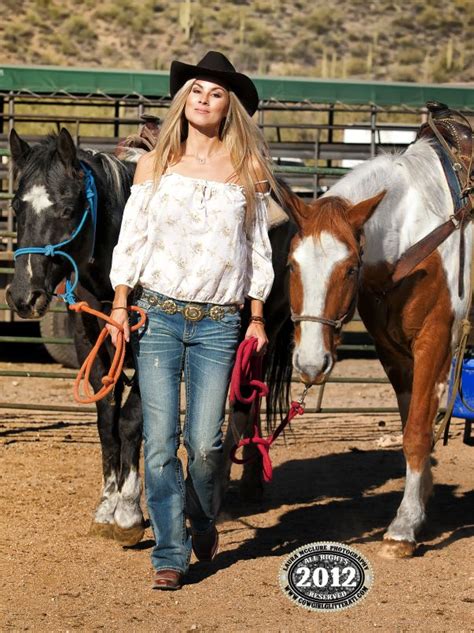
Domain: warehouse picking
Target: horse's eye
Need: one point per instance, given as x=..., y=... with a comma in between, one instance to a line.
x=353, y=270
x=66, y=212
x=15, y=204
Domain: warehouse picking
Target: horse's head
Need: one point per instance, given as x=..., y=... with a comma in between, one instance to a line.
x=49, y=203
x=324, y=260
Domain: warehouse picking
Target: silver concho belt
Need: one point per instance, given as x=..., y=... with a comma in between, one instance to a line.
x=191, y=311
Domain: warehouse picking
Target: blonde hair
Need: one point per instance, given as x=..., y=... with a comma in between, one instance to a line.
x=241, y=136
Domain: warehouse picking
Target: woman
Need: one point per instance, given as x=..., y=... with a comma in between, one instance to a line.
x=194, y=244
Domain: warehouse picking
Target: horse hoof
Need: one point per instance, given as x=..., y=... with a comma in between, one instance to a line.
x=397, y=549
x=128, y=537
x=104, y=530
x=249, y=491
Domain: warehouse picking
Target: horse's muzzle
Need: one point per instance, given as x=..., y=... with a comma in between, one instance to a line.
x=314, y=374
x=33, y=307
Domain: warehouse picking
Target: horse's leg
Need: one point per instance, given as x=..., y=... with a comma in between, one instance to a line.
x=128, y=517
x=432, y=355
x=236, y=425
x=399, y=370
x=86, y=330
x=251, y=481
x=251, y=484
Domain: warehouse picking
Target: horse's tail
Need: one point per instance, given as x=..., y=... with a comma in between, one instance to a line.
x=278, y=375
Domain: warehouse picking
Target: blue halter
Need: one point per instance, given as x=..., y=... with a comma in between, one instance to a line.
x=51, y=250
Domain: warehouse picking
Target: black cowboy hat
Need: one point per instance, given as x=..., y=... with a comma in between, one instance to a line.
x=216, y=66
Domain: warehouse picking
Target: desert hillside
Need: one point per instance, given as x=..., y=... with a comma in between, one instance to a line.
x=393, y=40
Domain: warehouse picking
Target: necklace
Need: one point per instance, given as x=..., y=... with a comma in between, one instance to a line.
x=204, y=160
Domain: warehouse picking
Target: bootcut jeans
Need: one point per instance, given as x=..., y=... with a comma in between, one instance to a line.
x=164, y=347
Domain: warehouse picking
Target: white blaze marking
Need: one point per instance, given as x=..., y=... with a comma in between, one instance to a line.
x=38, y=197
x=29, y=267
x=316, y=260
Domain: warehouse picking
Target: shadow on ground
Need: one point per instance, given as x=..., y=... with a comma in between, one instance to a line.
x=340, y=504
x=22, y=352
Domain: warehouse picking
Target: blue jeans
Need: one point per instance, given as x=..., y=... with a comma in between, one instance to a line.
x=205, y=350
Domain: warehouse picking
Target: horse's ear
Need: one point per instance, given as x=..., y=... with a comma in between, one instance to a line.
x=362, y=211
x=66, y=147
x=19, y=150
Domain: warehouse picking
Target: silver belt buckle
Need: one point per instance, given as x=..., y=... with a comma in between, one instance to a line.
x=193, y=312
x=217, y=313
x=169, y=306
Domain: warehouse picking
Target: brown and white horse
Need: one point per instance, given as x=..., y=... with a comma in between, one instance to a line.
x=414, y=323
x=324, y=259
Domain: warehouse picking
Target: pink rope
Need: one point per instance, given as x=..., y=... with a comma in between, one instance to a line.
x=248, y=372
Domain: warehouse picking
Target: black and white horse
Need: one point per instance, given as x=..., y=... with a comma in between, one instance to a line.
x=49, y=203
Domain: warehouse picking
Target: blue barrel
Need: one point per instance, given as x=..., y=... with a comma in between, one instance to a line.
x=467, y=387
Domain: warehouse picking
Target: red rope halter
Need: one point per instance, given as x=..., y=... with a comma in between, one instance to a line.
x=248, y=372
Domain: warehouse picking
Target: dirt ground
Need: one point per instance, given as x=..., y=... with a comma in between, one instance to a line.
x=336, y=477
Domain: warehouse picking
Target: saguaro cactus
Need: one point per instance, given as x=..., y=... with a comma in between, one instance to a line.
x=344, y=67
x=449, y=54
x=186, y=17
x=242, y=15
x=426, y=72
x=370, y=58
x=332, y=72
x=324, y=64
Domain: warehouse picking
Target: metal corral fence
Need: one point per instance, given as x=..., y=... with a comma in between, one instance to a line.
x=15, y=373
x=305, y=121
x=318, y=409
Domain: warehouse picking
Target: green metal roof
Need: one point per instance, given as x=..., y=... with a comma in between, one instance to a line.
x=153, y=84
x=364, y=92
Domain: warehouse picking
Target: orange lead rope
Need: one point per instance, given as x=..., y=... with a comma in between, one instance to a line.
x=110, y=380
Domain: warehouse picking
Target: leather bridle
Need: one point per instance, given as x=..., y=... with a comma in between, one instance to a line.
x=335, y=323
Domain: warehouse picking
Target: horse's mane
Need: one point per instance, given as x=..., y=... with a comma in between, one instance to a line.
x=331, y=215
x=288, y=199
x=114, y=175
x=42, y=159
x=118, y=177
x=417, y=168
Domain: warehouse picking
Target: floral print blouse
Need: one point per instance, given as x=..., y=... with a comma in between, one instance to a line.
x=186, y=239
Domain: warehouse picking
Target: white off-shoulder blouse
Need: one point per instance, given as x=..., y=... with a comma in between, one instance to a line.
x=186, y=239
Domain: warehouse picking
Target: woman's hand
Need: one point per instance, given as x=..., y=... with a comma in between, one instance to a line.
x=257, y=330
x=120, y=315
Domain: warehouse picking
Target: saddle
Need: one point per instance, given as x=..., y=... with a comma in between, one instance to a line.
x=450, y=134
x=451, y=131
x=132, y=147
